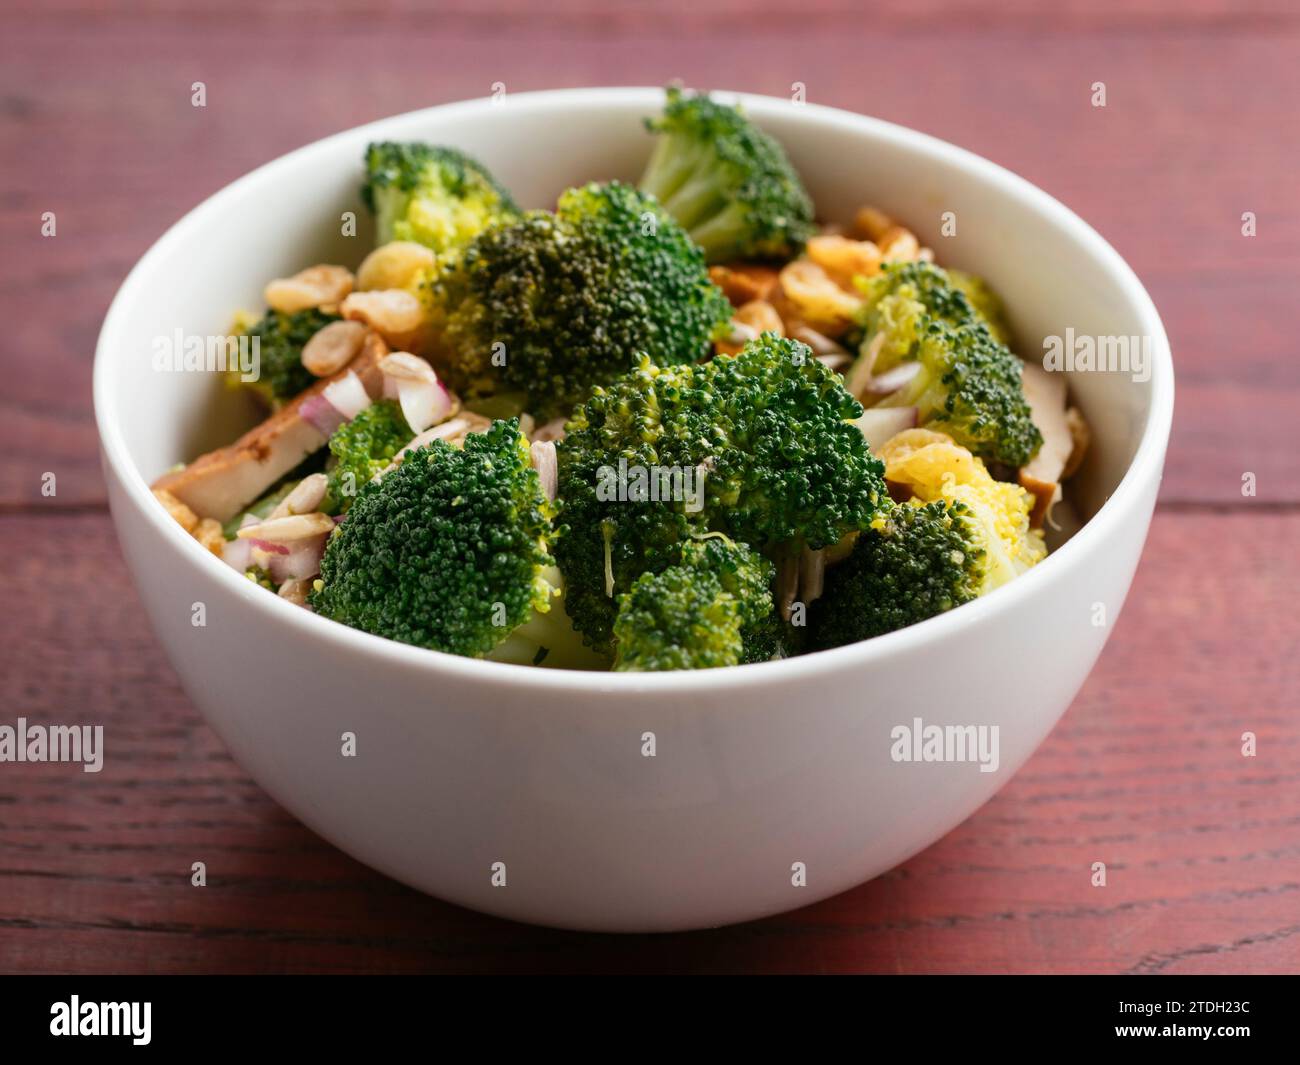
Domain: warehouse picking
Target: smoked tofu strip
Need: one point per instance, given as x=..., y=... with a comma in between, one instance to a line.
x=223, y=482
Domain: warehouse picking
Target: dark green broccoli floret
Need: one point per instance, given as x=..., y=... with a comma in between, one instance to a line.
x=969, y=384
x=280, y=339
x=361, y=448
x=785, y=463
x=556, y=304
x=759, y=447
x=449, y=551
x=714, y=608
x=438, y=197
x=921, y=561
x=726, y=181
x=677, y=619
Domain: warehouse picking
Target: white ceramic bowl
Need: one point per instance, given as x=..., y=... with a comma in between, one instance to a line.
x=462, y=764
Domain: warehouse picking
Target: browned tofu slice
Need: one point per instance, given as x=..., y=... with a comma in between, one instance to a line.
x=1042, y=475
x=223, y=482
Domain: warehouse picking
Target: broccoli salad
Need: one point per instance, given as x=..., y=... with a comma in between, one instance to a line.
x=679, y=425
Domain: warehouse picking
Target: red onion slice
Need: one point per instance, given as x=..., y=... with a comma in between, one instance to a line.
x=869, y=386
x=858, y=376
x=839, y=362
x=544, y=462
x=411, y=380
x=347, y=395
x=883, y=423
x=299, y=562
x=552, y=430
x=320, y=414
x=238, y=553
x=889, y=382
x=821, y=344
x=424, y=403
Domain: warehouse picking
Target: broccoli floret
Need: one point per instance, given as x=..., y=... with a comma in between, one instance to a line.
x=988, y=305
x=969, y=383
x=558, y=303
x=361, y=448
x=939, y=470
x=714, y=608
x=969, y=386
x=436, y=196
x=726, y=181
x=449, y=551
x=785, y=465
x=917, y=562
x=677, y=619
x=606, y=538
x=280, y=339
x=900, y=301
x=760, y=447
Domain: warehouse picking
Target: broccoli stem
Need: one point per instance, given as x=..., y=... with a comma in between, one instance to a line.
x=695, y=201
x=671, y=164
x=720, y=231
x=548, y=638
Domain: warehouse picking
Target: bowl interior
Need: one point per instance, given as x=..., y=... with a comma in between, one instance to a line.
x=1052, y=271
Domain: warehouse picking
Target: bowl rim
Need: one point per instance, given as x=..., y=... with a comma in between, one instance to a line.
x=1122, y=505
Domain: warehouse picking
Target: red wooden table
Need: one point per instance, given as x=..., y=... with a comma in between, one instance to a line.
x=1144, y=773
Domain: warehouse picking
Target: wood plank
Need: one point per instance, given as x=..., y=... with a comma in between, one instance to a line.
x=598, y=17
x=1144, y=773
x=1198, y=128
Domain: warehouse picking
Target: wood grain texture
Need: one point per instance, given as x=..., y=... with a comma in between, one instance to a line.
x=1144, y=773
